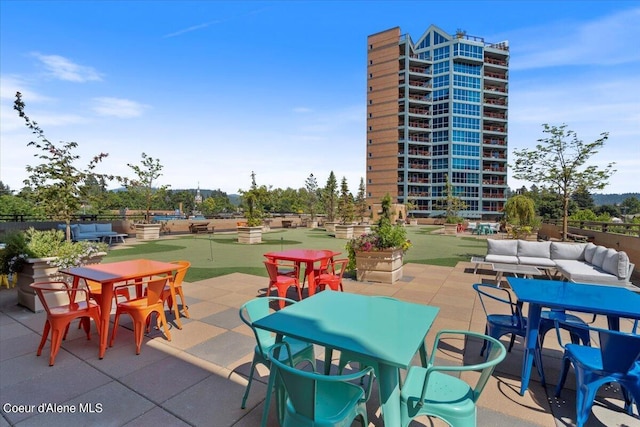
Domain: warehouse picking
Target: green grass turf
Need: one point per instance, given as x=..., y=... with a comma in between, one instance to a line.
x=220, y=254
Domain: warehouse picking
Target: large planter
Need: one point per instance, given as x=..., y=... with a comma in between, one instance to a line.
x=379, y=266
x=249, y=235
x=344, y=231
x=148, y=231
x=39, y=270
x=330, y=226
x=450, y=228
x=360, y=229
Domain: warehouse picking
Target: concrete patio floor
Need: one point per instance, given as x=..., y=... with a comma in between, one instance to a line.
x=199, y=377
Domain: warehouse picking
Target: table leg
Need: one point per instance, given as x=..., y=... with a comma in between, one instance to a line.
x=531, y=348
x=311, y=279
x=105, y=314
x=389, y=383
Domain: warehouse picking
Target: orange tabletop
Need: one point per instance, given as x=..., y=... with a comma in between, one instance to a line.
x=109, y=274
x=307, y=256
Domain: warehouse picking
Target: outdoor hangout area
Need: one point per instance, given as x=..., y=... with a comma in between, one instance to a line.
x=210, y=354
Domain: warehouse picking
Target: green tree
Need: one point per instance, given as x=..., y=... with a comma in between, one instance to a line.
x=559, y=162
x=450, y=203
x=631, y=205
x=311, y=185
x=583, y=199
x=147, y=172
x=57, y=185
x=4, y=189
x=520, y=210
x=330, y=197
x=345, y=203
x=361, y=201
x=254, y=200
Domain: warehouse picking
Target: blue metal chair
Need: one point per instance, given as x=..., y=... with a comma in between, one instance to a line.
x=314, y=399
x=257, y=309
x=616, y=360
x=515, y=323
x=432, y=391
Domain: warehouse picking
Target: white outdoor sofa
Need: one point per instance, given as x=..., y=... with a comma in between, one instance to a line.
x=577, y=262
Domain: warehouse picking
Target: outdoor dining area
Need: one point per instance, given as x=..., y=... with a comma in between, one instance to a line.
x=308, y=344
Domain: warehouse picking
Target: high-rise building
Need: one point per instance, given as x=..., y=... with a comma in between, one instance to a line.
x=437, y=114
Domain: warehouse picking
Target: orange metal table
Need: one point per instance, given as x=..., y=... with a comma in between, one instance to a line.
x=111, y=273
x=307, y=256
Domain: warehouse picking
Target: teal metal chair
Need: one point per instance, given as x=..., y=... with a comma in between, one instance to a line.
x=616, y=360
x=257, y=309
x=433, y=392
x=314, y=399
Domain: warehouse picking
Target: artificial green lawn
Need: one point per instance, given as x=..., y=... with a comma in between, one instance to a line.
x=220, y=253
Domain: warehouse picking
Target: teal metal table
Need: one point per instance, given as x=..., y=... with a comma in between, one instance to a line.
x=387, y=330
x=612, y=301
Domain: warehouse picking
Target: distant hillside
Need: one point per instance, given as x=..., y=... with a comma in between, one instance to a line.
x=612, y=199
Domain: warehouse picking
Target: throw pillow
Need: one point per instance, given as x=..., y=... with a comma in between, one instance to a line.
x=502, y=247
x=589, y=251
x=598, y=256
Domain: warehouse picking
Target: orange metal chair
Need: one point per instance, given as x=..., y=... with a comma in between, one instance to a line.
x=63, y=305
x=281, y=283
x=95, y=291
x=176, y=282
x=141, y=308
x=333, y=277
x=285, y=268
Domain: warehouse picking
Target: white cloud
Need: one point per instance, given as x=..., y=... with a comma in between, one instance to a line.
x=64, y=69
x=608, y=40
x=118, y=107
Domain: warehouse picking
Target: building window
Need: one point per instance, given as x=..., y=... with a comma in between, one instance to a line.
x=370, y=88
x=466, y=109
x=370, y=75
x=370, y=141
x=369, y=167
x=466, y=150
x=370, y=115
x=466, y=122
x=370, y=127
x=466, y=81
x=370, y=46
x=370, y=155
x=466, y=95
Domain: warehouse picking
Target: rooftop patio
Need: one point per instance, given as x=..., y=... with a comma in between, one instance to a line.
x=199, y=377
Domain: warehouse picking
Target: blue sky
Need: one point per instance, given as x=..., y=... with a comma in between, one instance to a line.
x=217, y=89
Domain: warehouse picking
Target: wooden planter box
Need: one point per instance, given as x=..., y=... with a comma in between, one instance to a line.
x=250, y=235
x=379, y=266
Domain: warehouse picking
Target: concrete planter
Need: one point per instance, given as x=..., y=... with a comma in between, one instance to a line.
x=379, y=266
x=344, y=231
x=413, y=222
x=148, y=231
x=361, y=229
x=330, y=226
x=451, y=229
x=250, y=235
x=39, y=270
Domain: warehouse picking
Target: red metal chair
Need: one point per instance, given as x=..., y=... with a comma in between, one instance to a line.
x=333, y=276
x=63, y=305
x=281, y=283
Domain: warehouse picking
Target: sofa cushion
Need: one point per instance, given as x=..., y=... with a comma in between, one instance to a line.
x=589, y=251
x=598, y=256
x=582, y=272
x=86, y=228
x=536, y=261
x=574, y=251
x=502, y=259
x=502, y=247
x=616, y=263
x=534, y=249
x=103, y=228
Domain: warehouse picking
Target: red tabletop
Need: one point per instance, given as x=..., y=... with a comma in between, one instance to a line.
x=307, y=256
x=110, y=273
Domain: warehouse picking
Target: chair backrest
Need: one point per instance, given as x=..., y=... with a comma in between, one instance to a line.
x=302, y=386
x=272, y=269
x=488, y=293
x=497, y=354
x=155, y=289
x=181, y=272
x=339, y=266
x=256, y=309
x=55, y=294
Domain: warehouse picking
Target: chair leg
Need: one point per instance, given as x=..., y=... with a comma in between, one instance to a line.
x=563, y=376
x=45, y=335
x=138, y=333
x=246, y=391
x=56, y=342
x=116, y=320
x=164, y=322
x=185, y=308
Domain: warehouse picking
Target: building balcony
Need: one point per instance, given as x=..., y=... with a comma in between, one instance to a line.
x=494, y=115
x=495, y=61
x=494, y=141
x=495, y=88
x=494, y=128
x=500, y=76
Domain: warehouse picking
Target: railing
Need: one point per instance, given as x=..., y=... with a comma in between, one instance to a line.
x=494, y=142
x=495, y=88
x=626, y=228
x=74, y=218
x=495, y=101
x=495, y=61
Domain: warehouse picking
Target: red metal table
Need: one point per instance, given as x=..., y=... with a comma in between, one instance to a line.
x=307, y=256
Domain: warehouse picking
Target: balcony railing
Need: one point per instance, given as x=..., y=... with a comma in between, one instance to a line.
x=495, y=88
x=495, y=115
x=495, y=101
x=495, y=61
x=493, y=141
x=494, y=128
x=495, y=75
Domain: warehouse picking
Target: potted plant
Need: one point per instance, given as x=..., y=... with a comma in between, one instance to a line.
x=451, y=204
x=311, y=186
x=253, y=201
x=344, y=230
x=35, y=256
x=410, y=208
x=377, y=256
x=147, y=172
